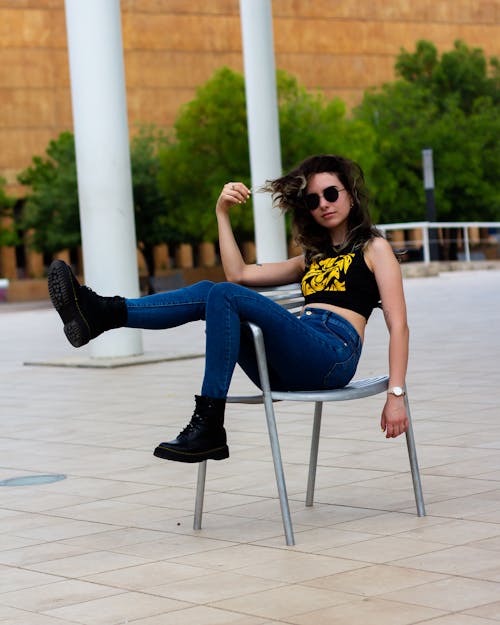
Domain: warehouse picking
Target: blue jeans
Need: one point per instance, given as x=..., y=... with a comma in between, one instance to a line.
x=319, y=350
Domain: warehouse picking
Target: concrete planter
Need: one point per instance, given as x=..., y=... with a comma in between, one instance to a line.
x=206, y=254
x=184, y=256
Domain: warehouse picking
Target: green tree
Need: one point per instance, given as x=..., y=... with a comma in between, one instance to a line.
x=149, y=202
x=210, y=147
x=51, y=207
x=312, y=124
x=432, y=105
x=463, y=72
x=50, y=210
x=8, y=235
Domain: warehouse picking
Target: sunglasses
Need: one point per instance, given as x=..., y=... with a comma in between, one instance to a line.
x=331, y=194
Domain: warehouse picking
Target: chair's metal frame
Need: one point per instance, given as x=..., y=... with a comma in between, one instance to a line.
x=290, y=297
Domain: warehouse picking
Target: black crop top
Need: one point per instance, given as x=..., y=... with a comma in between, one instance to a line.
x=345, y=281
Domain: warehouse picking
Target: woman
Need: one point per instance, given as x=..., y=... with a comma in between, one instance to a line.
x=346, y=270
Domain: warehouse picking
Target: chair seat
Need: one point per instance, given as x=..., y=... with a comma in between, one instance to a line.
x=357, y=389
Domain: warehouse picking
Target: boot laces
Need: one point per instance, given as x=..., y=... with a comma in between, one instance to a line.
x=102, y=299
x=194, y=425
x=88, y=290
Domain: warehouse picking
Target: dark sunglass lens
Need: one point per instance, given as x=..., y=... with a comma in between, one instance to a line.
x=331, y=194
x=312, y=201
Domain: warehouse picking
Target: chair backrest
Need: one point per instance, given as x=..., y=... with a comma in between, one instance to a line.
x=289, y=296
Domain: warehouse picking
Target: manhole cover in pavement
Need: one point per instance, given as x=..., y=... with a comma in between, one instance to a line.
x=32, y=480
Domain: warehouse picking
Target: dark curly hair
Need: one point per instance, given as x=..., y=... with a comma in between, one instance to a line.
x=288, y=194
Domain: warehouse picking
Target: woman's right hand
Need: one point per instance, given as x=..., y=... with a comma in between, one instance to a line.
x=232, y=193
x=235, y=267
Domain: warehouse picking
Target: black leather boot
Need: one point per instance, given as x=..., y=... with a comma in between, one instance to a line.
x=204, y=438
x=84, y=313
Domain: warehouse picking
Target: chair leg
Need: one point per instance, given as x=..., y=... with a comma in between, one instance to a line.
x=260, y=353
x=412, y=455
x=200, y=495
x=313, y=457
x=278, y=470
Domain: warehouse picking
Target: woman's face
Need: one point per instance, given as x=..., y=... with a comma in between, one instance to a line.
x=331, y=214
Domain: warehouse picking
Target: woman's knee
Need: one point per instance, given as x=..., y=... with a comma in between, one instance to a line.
x=227, y=288
x=204, y=286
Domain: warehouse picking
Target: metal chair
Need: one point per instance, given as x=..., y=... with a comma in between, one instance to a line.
x=290, y=297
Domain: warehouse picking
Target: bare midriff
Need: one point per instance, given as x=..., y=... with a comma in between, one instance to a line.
x=354, y=318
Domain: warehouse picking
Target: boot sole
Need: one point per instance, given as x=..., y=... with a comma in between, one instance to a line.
x=219, y=453
x=64, y=299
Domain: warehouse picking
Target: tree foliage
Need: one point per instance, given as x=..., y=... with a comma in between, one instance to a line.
x=312, y=124
x=210, y=147
x=462, y=72
x=8, y=235
x=51, y=209
x=449, y=104
x=151, y=222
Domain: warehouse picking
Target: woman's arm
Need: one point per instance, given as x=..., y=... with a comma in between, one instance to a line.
x=235, y=268
x=381, y=258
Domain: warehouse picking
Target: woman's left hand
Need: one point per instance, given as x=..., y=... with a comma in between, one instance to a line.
x=394, y=419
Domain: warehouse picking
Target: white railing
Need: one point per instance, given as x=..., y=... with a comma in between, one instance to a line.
x=425, y=226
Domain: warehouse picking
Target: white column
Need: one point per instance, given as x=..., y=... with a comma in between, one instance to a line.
x=103, y=160
x=263, y=125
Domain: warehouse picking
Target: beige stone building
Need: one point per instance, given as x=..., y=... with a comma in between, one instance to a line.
x=171, y=46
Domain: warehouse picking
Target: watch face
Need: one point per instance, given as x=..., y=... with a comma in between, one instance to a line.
x=397, y=390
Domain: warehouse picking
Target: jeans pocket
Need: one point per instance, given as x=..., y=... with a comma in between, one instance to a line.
x=341, y=373
x=339, y=328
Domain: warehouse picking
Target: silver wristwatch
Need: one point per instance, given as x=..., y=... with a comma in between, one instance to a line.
x=397, y=391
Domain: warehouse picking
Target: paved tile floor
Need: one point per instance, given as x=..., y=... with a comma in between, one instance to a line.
x=113, y=542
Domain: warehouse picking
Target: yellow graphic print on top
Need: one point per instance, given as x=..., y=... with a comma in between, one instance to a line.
x=327, y=275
